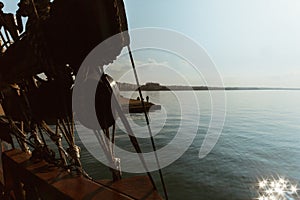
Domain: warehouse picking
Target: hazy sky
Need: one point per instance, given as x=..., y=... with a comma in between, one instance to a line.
x=252, y=42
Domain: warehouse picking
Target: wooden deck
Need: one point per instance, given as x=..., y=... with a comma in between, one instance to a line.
x=55, y=183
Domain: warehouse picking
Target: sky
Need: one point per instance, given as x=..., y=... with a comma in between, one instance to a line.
x=251, y=42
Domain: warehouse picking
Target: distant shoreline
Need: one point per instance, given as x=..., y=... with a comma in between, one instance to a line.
x=158, y=87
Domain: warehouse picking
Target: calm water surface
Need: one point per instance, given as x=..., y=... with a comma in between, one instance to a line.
x=260, y=139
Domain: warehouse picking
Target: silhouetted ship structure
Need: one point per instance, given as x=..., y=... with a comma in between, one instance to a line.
x=59, y=35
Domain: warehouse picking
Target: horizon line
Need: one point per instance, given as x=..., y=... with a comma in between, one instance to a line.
x=226, y=87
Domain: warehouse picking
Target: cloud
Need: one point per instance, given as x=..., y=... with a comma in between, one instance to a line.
x=150, y=70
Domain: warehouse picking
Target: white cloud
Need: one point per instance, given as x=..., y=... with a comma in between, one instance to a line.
x=152, y=70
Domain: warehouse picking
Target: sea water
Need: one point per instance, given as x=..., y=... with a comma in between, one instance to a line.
x=260, y=140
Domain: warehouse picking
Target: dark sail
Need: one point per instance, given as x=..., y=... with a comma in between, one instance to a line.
x=72, y=30
x=77, y=26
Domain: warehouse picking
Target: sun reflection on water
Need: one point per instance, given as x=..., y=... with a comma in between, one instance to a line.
x=277, y=189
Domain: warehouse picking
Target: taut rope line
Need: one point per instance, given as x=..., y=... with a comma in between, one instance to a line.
x=147, y=121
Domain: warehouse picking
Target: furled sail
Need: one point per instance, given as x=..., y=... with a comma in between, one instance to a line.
x=72, y=30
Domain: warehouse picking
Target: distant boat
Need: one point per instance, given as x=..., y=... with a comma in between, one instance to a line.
x=135, y=106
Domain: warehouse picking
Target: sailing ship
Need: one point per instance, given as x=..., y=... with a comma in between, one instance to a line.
x=57, y=38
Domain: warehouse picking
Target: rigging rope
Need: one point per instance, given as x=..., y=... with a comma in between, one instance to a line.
x=128, y=128
x=35, y=10
x=133, y=138
x=147, y=121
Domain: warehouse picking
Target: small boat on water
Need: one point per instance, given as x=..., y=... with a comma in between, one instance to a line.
x=59, y=35
x=135, y=106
